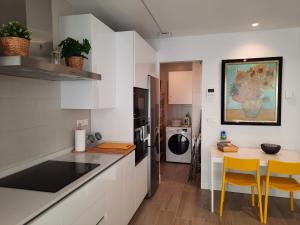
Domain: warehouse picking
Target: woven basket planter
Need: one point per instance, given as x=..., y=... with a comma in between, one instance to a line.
x=14, y=46
x=75, y=62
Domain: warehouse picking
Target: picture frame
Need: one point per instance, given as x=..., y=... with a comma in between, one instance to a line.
x=251, y=91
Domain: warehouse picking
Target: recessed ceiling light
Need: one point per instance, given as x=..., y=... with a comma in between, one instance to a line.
x=255, y=24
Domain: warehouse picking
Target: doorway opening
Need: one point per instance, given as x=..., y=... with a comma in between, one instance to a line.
x=180, y=118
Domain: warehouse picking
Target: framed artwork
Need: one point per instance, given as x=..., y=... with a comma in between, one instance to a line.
x=251, y=91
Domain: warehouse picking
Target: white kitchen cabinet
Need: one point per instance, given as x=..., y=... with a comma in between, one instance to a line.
x=145, y=61
x=90, y=94
x=121, y=191
x=117, y=124
x=180, y=87
x=128, y=190
x=80, y=94
x=113, y=177
x=141, y=182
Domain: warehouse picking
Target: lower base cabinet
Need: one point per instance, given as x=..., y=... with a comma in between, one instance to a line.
x=140, y=182
x=85, y=206
x=128, y=192
x=110, y=198
x=113, y=180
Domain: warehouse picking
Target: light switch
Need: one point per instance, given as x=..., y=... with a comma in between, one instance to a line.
x=210, y=94
x=289, y=94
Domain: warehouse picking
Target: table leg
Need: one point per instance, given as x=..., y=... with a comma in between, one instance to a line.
x=212, y=186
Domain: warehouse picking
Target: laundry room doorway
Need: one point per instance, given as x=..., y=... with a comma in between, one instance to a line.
x=180, y=119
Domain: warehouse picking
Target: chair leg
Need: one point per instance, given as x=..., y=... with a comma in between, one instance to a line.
x=222, y=198
x=261, y=190
x=292, y=201
x=252, y=196
x=266, y=204
x=260, y=202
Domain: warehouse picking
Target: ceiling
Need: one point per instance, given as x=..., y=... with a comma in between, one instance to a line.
x=193, y=17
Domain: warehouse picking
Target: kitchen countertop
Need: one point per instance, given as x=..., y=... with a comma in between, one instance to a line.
x=19, y=206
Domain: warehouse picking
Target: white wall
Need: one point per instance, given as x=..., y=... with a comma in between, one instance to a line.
x=197, y=95
x=60, y=8
x=38, y=20
x=33, y=126
x=211, y=49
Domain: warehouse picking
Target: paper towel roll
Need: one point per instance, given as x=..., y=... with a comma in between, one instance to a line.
x=80, y=140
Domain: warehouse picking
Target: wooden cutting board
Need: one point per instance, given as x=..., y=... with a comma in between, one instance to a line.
x=122, y=146
x=112, y=148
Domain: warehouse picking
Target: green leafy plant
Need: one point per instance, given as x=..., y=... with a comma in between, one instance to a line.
x=14, y=29
x=71, y=47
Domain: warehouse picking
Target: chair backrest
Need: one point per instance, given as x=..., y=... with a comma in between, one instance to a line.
x=241, y=164
x=287, y=168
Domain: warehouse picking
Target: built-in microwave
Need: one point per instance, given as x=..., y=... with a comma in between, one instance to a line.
x=140, y=102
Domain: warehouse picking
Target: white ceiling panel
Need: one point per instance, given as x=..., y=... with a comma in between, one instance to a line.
x=193, y=17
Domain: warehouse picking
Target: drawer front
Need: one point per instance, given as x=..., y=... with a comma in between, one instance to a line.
x=50, y=217
x=93, y=215
x=79, y=206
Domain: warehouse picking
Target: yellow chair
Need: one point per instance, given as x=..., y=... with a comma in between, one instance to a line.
x=241, y=179
x=281, y=183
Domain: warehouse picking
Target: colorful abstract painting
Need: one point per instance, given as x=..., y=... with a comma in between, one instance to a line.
x=251, y=91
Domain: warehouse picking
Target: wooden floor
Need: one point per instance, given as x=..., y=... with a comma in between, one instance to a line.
x=178, y=202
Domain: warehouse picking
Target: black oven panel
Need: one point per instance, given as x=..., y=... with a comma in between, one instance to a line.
x=140, y=102
x=141, y=123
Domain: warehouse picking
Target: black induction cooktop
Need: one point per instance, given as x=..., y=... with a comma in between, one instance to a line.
x=49, y=176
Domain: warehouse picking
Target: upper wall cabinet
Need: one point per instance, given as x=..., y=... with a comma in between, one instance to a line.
x=180, y=87
x=90, y=94
x=145, y=58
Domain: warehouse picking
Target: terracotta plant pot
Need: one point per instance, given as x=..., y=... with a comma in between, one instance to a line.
x=75, y=62
x=14, y=46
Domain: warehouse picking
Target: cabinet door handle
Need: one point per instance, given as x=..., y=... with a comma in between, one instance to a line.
x=140, y=132
x=100, y=220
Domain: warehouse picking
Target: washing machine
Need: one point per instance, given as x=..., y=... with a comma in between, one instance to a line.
x=178, y=144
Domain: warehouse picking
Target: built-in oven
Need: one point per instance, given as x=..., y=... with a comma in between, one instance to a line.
x=141, y=123
x=141, y=137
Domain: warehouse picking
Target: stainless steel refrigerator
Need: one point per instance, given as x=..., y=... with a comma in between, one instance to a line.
x=153, y=147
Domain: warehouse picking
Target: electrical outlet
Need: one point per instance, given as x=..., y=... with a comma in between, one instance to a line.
x=82, y=123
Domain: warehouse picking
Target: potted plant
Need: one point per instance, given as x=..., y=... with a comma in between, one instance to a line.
x=72, y=50
x=14, y=39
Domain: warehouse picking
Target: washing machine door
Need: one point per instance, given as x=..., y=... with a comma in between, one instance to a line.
x=178, y=144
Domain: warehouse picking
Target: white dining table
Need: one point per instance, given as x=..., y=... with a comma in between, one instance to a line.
x=248, y=153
